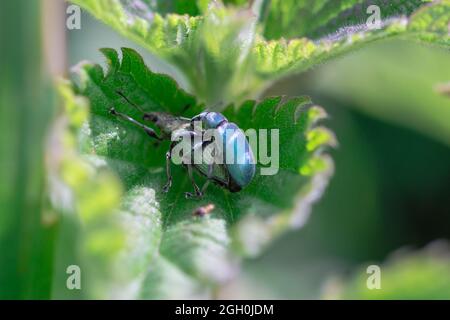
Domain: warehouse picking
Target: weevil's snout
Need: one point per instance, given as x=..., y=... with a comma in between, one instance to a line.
x=151, y=117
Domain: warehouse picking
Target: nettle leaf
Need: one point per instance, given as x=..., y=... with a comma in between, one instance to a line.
x=141, y=24
x=226, y=60
x=211, y=50
x=318, y=18
x=170, y=244
x=407, y=276
x=277, y=58
x=190, y=7
x=85, y=196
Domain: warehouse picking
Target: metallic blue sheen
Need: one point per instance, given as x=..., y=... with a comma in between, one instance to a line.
x=242, y=166
x=213, y=119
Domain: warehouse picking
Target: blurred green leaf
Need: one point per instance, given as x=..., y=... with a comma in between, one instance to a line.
x=189, y=7
x=421, y=275
x=26, y=101
x=317, y=18
x=199, y=252
x=84, y=195
x=212, y=50
x=379, y=81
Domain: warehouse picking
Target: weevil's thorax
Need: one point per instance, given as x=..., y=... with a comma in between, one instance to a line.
x=212, y=120
x=168, y=123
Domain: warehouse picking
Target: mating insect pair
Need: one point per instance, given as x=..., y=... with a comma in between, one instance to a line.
x=232, y=176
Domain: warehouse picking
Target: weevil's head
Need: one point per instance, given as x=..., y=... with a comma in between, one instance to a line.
x=210, y=120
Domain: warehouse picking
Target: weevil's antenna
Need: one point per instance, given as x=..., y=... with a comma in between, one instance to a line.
x=130, y=102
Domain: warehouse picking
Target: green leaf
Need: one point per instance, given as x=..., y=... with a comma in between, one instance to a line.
x=406, y=276
x=147, y=28
x=27, y=230
x=317, y=18
x=212, y=50
x=198, y=252
x=225, y=59
x=189, y=7
x=84, y=195
x=277, y=58
x=388, y=82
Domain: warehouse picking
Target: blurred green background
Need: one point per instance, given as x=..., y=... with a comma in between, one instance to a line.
x=391, y=188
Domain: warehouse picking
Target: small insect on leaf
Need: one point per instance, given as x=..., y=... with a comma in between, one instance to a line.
x=203, y=211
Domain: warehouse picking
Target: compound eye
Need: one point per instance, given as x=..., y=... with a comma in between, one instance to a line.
x=214, y=119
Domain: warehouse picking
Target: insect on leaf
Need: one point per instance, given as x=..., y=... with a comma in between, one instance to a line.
x=200, y=252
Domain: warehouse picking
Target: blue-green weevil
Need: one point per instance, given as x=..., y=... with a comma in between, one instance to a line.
x=233, y=175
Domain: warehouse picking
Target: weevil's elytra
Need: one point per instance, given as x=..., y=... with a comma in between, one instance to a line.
x=234, y=175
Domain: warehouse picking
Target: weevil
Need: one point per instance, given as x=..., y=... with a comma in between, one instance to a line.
x=234, y=175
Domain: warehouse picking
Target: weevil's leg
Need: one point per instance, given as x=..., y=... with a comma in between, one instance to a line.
x=168, y=172
x=198, y=193
x=208, y=176
x=148, y=130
